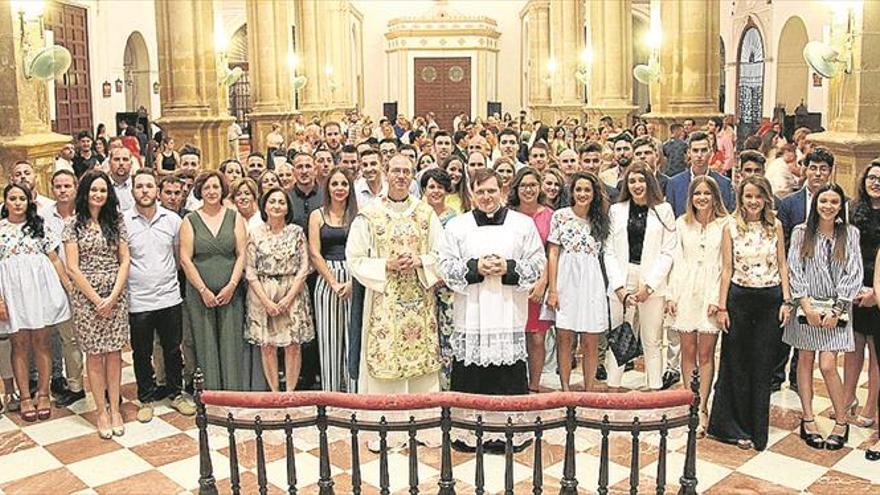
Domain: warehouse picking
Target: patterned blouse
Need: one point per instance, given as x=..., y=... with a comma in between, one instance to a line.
x=14, y=241
x=755, y=261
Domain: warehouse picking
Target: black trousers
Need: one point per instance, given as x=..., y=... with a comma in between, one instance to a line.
x=167, y=324
x=741, y=408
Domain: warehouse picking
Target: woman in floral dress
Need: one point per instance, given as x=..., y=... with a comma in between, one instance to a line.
x=96, y=248
x=278, y=310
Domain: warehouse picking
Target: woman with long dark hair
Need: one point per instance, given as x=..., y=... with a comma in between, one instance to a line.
x=865, y=216
x=643, y=241
x=526, y=197
x=825, y=268
x=31, y=297
x=328, y=233
x=576, y=288
x=694, y=282
x=96, y=248
x=753, y=304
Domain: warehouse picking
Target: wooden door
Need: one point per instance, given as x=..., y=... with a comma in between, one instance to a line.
x=443, y=86
x=73, y=96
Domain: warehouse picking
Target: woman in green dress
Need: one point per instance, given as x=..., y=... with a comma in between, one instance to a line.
x=212, y=253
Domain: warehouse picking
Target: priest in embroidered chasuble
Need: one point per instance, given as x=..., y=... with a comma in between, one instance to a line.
x=391, y=250
x=491, y=258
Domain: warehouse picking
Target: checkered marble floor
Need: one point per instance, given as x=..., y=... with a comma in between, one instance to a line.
x=65, y=455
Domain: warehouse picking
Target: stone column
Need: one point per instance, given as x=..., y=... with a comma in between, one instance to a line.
x=610, y=89
x=193, y=108
x=555, y=31
x=324, y=47
x=853, y=133
x=689, y=63
x=25, y=128
x=269, y=43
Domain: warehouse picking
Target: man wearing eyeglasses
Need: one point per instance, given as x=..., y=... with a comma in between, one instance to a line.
x=391, y=250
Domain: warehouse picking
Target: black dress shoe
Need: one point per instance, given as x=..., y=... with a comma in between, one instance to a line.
x=58, y=386
x=670, y=378
x=601, y=373
x=629, y=366
x=68, y=398
x=775, y=386
x=813, y=440
x=872, y=455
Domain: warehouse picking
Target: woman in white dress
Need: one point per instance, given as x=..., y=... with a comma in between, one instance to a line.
x=31, y=297
x=694, y=283
x=577, y=289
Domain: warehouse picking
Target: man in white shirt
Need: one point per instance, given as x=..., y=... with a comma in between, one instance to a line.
x=371, y=183
x=120, y=175
x=23, y=174
x=623, y=156
x=65, y=157
x=190, y=159
x=508, y=145
x=154, y=293
x=64, y=189
x=233, y=136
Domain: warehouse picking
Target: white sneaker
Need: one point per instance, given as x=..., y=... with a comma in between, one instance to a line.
x=145, y=413
x=183, y=405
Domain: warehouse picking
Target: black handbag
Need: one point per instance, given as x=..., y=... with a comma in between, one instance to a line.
x=622, y=340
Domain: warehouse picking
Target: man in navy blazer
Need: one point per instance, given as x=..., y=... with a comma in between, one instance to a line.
x=792, y=211
x=698, y=152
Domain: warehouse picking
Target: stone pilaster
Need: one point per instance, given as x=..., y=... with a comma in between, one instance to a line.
x=689, y=63
x=610, y=90
x=853, y=121
x=555, y=30
x=25, y=128
x=193, y=108
x=324, y=48
x=269, y=43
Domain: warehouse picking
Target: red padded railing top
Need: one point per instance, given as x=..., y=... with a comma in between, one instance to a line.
x=536, y=402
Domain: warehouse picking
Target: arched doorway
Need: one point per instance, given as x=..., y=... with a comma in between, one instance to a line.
x=792, y=72
x=749, y=81
x=136, y=70
x=240, y=101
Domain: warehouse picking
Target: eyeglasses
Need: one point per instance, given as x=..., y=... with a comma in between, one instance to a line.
x=872, y=178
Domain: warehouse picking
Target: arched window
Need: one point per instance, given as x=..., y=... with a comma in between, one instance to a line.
x=750, y=81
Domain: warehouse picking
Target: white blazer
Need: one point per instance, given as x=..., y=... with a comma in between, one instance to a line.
x=658, y=248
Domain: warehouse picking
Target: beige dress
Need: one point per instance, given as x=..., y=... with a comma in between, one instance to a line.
x=274, y=260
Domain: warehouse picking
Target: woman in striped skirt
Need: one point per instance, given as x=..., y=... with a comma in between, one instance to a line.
x=328, y=232
x=825, y=266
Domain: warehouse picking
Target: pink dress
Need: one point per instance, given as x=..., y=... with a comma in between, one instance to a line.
x=542, y=222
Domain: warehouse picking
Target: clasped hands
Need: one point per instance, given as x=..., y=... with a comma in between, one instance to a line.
x=403, y=262
x=492, y=266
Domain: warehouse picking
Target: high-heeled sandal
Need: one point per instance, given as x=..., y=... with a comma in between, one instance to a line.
x=44, y=413
x=117, y=430
x=104, y=434
x=863, y=421
x=835, y=441
x=850, y=409
x=28, y=415
x=813, y=440
x=704, y=423
x=745, y=444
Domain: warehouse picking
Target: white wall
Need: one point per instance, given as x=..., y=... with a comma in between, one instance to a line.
x=110, y=24
x=377, y=13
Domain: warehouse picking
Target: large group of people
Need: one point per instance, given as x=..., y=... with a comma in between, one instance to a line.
x=405, y=258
